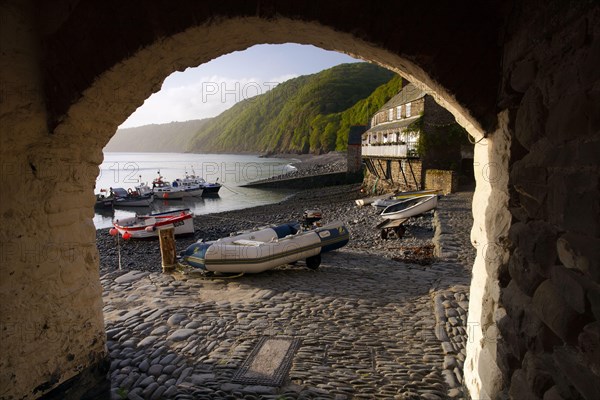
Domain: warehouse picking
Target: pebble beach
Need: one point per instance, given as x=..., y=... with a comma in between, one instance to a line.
x=378, y=319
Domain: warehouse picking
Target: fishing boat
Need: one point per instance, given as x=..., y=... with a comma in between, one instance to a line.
x=398, y=197
x=131, y=198
x=267, y=248
x=411, y=207
x=164, y=190
x=104, y=201
x=190, y=189
x=145, y=226
x=208, y=188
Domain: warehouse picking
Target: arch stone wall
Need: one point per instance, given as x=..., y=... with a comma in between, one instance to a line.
x=542, y=331
x=72, y=71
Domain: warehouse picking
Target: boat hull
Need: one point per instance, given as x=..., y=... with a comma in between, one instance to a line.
x=193, y=192
x=106, y=203
x=211, y=189
x=147, y=226
x=369, y=200
x=170, y=195
x=139, y=201
x=410, y=208
x=265, y=249
x=384, y=202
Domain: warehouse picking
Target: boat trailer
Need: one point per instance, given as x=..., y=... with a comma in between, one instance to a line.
x=392, y=226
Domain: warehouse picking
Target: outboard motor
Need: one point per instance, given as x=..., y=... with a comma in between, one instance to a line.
x=311, y=218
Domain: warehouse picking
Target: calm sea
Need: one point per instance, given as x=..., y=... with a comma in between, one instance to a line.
x=127, y=170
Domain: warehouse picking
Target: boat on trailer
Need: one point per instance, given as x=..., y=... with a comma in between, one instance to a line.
x=145, y=226
x=267, y=248
x=411, y=207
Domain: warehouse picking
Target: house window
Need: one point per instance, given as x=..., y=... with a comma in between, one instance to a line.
x=407, y=110
x=399, y=112
x=390, y=114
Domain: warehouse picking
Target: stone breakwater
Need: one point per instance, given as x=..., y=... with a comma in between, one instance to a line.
x=316, y=165
x=367, y=322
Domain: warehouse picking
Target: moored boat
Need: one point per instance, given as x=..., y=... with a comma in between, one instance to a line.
x=208, y=188
x=267, y=248
x=164, y=190
x=103, y=201
x=189, y=189
x=410, y=207
x=132, y=198
x=144, y=226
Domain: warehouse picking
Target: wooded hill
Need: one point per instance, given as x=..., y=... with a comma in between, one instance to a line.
x=311, y=113
x=172, y=137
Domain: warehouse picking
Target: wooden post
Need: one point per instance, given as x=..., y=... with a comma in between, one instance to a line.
x=167, y=249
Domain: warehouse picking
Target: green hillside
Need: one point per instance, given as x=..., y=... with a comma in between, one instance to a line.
x=310, y=113
x=172, y=137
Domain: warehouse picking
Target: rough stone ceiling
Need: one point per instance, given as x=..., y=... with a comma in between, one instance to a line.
x=457, y=44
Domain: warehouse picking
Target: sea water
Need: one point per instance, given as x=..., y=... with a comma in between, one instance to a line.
x=127, y=170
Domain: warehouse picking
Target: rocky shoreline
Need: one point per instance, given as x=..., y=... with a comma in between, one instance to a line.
x=336, y=204
x=378, y=319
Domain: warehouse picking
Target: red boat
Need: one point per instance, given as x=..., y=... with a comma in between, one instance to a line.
x=144, y=226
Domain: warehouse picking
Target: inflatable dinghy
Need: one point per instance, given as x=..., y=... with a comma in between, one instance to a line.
x=267, y=248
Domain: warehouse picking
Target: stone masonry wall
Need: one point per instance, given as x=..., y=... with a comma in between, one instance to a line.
x=437, y=122
x=51, y=323
x=445, y=181
x=62, y=99
x=376, y=186
x=549, y=314
x=534, y=297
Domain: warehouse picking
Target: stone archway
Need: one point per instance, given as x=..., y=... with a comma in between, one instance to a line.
x=74, y=70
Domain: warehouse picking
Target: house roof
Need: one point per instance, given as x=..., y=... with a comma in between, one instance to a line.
x=393, y=125
x=409, y=93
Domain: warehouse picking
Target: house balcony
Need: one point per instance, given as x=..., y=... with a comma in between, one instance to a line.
x=387, y=151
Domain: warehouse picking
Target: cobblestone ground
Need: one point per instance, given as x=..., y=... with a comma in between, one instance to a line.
x=370, y=327
x=455, y=257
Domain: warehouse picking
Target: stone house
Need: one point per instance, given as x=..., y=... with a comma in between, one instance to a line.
x=408, y=135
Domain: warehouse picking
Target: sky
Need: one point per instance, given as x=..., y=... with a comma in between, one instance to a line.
x=211, y=88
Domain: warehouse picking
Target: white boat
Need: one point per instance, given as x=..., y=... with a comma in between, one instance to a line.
x=144, y=226
x=140, y=197
x=369, y=200
x=411, y=207
x=190, y=189
x=398, y=197
x=208, y=188
x=393, y=196
x=267, y=248
x=164, y=190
